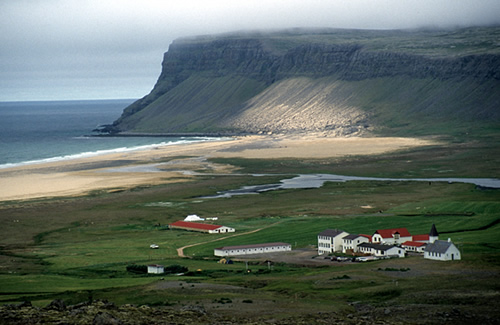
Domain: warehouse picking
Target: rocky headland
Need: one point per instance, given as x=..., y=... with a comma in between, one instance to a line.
x=341, y=82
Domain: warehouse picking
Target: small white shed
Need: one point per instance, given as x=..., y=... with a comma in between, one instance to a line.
x=156, y=269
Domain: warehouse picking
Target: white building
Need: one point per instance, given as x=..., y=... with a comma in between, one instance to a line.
x=351, y=242
x=414, y=246
x=193, y=217
x=156, y=269
x=442, y=251
x=330, y=241
x=379, y=250
x=252, y=249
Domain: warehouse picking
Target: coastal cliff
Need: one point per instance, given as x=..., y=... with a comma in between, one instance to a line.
x=343, y=82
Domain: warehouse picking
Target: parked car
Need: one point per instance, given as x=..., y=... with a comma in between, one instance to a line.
x=362, y=259
x=343, y=259
x=154, y=246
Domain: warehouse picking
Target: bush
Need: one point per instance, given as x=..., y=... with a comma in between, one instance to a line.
x=174, y=269
x=139, y=269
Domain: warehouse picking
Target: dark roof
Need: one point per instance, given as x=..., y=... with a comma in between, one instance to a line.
x=352, y=236
x=254, y=246
x=331, y=232
x=439, y=246
x=379, y=247
x=433, y=232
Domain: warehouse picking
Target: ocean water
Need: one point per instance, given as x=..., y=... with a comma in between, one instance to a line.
x=35, y=132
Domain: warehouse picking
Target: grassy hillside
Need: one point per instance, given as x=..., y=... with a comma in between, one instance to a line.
x=197, y=104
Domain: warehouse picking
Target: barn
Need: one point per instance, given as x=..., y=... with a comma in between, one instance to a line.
x=201, y=227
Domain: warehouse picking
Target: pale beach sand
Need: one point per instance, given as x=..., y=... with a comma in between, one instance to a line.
x=176, y=163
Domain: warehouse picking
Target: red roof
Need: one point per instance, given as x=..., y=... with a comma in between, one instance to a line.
x=413, y=243
x=420, y=237
x=366, y=236
x=388, y=233
x=194, y=225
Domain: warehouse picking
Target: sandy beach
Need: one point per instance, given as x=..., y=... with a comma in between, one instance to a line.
x=166, y=164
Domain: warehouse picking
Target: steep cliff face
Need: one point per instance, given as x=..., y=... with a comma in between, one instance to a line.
x=332, y=81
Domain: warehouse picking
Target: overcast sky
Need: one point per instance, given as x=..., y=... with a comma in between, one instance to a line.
x=97, y=49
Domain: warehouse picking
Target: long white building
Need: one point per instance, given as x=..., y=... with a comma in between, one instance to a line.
x=252, y=249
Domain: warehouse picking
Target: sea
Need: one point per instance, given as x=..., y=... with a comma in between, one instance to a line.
x=47, y=131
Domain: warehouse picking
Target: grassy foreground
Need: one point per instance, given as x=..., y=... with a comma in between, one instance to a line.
x=77, y=249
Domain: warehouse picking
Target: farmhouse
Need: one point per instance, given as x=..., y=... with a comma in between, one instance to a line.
x=391, y=236
x=156, y=269
x=414, y=246
x=202, y=227
x=330, y=241
x=379, y=250
x=350, y=242
x=442, y=251
x=252, y=249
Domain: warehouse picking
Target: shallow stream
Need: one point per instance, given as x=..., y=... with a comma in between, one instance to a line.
x=317, y=180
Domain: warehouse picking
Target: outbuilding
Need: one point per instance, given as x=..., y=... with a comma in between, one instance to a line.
x=193, y=217
x=202, y=227
x=156, y=269
x=252, y=249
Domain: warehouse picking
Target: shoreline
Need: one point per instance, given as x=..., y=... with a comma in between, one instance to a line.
x=110, y=172
x=102, y=152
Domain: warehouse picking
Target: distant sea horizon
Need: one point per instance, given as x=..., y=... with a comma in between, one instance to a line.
x=33, y=132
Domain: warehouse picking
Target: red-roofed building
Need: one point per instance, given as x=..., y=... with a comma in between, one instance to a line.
x=429, y=238
x=391, y=236
x=414, y=246
x=421, y=238
x=202, y=227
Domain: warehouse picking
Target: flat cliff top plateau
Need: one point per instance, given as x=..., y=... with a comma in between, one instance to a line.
x=341, y=82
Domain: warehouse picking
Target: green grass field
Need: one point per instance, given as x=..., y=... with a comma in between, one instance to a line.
x=78, y=248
